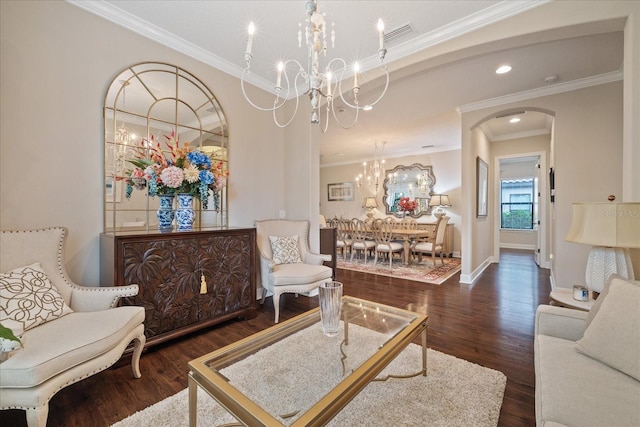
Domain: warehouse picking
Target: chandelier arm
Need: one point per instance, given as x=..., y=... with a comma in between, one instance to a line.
x=326, y=123
x=275, y=107
x=295, y=87
x=386, y=86
x=340, y=123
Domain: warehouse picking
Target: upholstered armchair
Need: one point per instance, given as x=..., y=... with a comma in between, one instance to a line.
x=287, y=265
x=81, y=335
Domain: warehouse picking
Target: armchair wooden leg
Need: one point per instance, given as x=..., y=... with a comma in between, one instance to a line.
x=276, y=304
x=37, y=417
x=137, y=352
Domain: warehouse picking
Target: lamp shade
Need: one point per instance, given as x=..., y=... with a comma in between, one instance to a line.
x=439, y=200
x=370, y=203
x=615, y=225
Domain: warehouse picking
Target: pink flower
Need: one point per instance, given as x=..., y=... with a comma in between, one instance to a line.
x=172, y=177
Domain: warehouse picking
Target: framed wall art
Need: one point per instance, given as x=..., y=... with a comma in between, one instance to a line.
x=482, y=187
x=341, y=191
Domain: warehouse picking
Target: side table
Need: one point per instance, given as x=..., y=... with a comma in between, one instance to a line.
x=564, y=298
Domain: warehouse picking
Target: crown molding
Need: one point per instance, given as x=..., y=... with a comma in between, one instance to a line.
x=498, y=12
x=488, y=16
x=139, y=26
x=545, y=91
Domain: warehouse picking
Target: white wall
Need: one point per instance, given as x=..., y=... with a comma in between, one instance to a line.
x=57, y=61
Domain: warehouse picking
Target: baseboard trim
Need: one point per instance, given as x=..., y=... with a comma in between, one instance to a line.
x=469, y=279
x=517, y=246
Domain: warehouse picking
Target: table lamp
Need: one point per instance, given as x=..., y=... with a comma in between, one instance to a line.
x=370, y=204
x=439, y=200
x=611, y=229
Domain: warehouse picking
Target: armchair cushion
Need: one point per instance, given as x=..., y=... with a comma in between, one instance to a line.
x=285, y=249
x=29, y=299
x=616, y=326
x=72, y=340
x=298, y=274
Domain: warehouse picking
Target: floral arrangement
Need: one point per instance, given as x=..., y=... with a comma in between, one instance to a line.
x=183, y=170
x=406, y=205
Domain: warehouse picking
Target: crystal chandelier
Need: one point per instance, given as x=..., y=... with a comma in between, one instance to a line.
x=373, y=173
x=320, y=84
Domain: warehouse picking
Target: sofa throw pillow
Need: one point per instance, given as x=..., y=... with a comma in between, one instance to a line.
x=285, y=249
x=596, y=305
x=614, y=333
x=29, y=299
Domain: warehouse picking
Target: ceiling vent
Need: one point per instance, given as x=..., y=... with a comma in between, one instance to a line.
x=397, y=32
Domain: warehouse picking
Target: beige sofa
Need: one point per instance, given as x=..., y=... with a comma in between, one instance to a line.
x=587, y=365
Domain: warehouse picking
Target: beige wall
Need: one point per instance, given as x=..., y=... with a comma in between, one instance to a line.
x=446, y=168
x=587, y=157
x=57, y=61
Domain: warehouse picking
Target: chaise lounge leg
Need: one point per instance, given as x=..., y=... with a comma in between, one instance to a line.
x=137, y=352
x=37, y=417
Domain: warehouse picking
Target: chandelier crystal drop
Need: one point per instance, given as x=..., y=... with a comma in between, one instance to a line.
x=322, y=83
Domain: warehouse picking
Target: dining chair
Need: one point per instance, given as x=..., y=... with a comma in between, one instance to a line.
x=384, y=241
x=408, y=223
x=343, y=241
x=360, y=236
x=433, y=245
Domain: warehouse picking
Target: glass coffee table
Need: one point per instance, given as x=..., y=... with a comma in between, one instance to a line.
x=371, y=336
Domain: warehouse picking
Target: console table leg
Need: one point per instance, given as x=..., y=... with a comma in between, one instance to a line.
x=193, y=401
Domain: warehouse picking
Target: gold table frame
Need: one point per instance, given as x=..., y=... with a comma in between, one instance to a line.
x=203, y=372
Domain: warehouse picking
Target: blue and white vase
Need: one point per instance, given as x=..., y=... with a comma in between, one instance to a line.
x=185, y=214
x=165, y=213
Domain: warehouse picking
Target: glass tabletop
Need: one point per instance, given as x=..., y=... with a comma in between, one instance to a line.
x=292, y=374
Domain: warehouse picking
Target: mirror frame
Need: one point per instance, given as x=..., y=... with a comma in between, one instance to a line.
x=197, y=114
x=428, y=170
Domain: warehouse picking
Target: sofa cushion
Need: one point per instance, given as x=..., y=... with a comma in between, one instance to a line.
x=61, y=344
x=29, y=299
x=576, y=390
x=613, y=337
x=285, y=249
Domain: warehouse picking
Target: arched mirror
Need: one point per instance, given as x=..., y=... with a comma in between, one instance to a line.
x=415, y=182
x=157, y=106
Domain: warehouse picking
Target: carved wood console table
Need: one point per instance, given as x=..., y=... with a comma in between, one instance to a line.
x=188, y=280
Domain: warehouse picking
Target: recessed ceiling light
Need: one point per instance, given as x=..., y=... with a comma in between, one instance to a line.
x=503, y=69
x=514, y=120
x=367, y=108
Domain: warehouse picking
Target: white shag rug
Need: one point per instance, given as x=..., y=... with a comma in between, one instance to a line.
x=454, y=392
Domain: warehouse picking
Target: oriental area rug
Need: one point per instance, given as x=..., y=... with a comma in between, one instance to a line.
x=455, y=392
x=422, y=271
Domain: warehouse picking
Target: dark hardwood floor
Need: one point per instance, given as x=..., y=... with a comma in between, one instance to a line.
x=490, y=323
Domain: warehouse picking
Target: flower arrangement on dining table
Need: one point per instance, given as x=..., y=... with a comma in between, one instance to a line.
x=407, y=205
x=180, y=170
